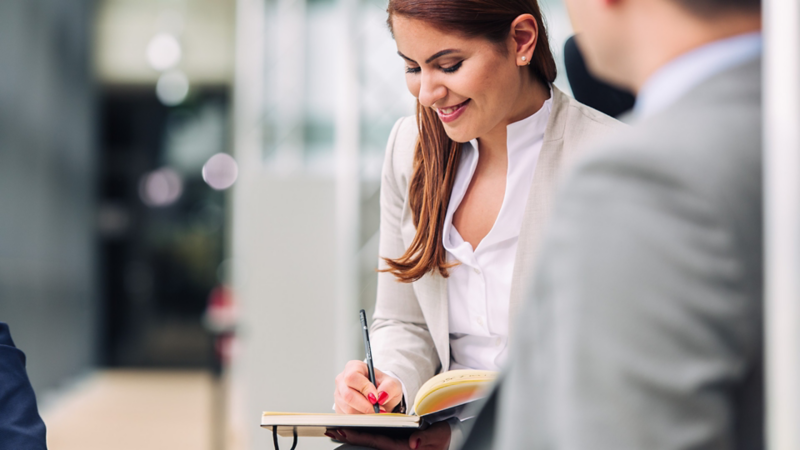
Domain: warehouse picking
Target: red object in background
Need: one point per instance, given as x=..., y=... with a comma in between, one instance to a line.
x=220, y=318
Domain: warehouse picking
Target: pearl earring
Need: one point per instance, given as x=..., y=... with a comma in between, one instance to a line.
x=524, y=58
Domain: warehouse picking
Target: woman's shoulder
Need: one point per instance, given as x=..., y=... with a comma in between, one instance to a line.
x=573, y=119
x=403, y=137
x=400, y=147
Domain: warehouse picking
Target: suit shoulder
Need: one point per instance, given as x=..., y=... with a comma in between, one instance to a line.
x=709, y=153
x=712, y=132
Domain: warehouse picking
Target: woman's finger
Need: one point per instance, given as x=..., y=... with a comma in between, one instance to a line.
x=355, y=394
x=356, y=376
x=335, y=434
x=436, y=437
x=390, y=391
x=351, y=401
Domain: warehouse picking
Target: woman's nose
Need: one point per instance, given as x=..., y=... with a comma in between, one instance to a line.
x=430, y=91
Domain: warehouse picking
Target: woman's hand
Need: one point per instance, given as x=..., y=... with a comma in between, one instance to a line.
x=436, y=437
x=355, y=394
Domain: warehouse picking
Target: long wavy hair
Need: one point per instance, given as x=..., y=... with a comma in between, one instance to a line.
x=436, y=156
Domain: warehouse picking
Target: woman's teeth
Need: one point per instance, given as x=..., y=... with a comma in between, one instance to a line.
x=451, y=109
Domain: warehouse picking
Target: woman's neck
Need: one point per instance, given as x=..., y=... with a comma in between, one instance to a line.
x=493, y=145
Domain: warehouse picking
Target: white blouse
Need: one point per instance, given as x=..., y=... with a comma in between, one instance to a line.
x=479, y=327
x=479, y=288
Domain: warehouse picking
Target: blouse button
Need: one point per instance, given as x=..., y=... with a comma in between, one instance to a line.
x=477, y=271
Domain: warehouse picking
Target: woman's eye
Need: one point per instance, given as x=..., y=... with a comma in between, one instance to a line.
x=452, y=69
x=412, y=69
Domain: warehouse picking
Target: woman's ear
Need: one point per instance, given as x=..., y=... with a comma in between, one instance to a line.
x=524, y=35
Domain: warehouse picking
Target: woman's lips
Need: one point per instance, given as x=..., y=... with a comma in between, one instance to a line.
x=452, y=113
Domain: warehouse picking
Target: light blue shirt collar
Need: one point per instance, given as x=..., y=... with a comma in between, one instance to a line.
x=685, y=72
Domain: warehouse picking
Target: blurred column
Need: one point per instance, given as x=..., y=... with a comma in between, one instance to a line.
x=285, y=248
x=248, y=138
x=248, y=92
x=348, y=183
x=782, y=221
x=289, y=57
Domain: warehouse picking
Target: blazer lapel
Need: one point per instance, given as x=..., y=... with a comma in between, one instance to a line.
x=432, y=296
x=539, y=200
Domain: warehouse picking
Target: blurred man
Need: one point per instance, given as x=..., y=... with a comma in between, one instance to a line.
x=21, y=428
x=643, y=330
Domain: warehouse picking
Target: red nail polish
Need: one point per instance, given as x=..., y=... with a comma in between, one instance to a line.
x=382, y=397
x=416, y=444
x=371, y=398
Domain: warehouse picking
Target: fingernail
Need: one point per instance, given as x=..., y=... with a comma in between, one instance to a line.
x=382, y=397
x=344, y=435
x=416, y=443
x=371, y=398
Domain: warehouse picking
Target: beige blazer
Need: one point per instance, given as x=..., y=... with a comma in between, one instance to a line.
x=410, y=330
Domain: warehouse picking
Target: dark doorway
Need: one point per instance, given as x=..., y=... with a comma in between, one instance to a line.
x=161, y=226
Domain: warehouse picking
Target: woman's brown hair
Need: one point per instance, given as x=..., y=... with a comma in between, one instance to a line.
x=436, y=156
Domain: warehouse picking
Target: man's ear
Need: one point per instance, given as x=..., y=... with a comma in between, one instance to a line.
x=524, y=35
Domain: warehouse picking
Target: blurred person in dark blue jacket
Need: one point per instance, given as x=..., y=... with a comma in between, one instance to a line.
x=21, y=428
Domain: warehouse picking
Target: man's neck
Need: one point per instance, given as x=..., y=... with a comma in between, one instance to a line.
x=665, y=41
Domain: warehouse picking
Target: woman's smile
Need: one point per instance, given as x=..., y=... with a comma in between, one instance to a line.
x=452, y=113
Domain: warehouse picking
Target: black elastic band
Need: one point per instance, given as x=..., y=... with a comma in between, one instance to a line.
x=275, y=438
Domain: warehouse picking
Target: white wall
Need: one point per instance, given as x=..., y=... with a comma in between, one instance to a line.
x=284, y=253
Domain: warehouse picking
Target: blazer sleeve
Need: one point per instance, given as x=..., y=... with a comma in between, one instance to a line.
x=401, y=341
x=21, y=428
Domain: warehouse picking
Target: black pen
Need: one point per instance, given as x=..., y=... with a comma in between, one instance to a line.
x=368, y=350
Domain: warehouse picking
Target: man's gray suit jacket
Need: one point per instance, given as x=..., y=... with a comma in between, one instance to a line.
x=644, y=327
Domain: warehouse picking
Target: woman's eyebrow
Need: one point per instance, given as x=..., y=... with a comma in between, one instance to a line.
x=428, y=61
x=406, y=57
x=439, y=54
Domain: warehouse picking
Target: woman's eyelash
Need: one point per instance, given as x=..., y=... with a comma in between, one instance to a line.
x=452, y=69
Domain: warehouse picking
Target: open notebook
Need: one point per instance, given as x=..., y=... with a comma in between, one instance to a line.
x=444, y=396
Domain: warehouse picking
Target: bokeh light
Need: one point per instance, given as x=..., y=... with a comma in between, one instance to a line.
x=220, y=171
x=172, y=87
x=161, y=187
x=163, y=51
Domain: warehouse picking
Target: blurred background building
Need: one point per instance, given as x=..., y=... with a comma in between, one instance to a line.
x=189, y=207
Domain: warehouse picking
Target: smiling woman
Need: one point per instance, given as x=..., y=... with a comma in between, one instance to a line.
x=466, y=188
x=498, y=41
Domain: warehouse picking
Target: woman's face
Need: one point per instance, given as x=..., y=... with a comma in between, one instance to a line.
x=469, y=82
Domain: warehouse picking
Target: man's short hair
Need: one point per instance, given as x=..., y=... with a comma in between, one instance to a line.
x=710, y=8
